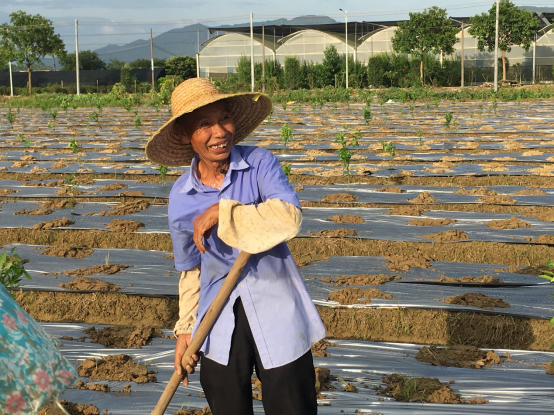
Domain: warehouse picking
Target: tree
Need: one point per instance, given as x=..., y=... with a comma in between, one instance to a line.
x=185, y=66
x=425, y=32
x=87, y=60
x=293, y=75
x=140, y=63
x=29, y=38
x=515, y=27
x=331, y=65
x=115, y=64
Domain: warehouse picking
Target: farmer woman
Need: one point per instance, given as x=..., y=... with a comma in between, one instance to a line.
x=237, y=198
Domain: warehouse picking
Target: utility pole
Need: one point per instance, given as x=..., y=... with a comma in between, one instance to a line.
x=346, y=41
x=252, y=49
x=263, y=59
x=77, y=55
x=496, y=48
x=11, y=79
x=534, y=58
x=152, y=58
x=463, y=53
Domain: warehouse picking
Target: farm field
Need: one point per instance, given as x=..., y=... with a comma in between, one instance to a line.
x=435, y=238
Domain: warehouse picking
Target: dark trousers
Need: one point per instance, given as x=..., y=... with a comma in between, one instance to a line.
x=289, y=389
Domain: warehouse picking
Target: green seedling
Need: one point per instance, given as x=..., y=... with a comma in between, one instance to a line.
x=335, y=106
x=287, y=168
x=23, y=140
x=284, y=105
x=137, y=121
x=163, y=171
x=367, y=114
x=345, y=151
x=53, y=113
x=10, y=115
x=51, y=125
x=412, y=109
x=548, y=274
x=64, y=105
x=448, y=119
x=390, y=148
x=286, y=134
x=420, y=137
x=74, y=145
x=94, y=116
x=436, y=104
x=12, y=269
x=428, y=106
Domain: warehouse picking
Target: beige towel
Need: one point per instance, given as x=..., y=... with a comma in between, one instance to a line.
x=189, y=289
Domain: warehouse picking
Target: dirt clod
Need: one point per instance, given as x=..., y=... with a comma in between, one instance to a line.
x=322, y=379
x=347, y=219
x=360, y=279
x=400, y=263
x=41, y=211
x=341, y=196
x=447, y=236
x=124, y=226
x=65, y=250
x=55, y=223
x=356, y=296
x=100, y=269
x=120, y=367
x=423, y=198
x=204, y=411
x=123, y=336
x=428, y=222
x=497, y=199
x=112, y=187
x=462, y=356
x=88, y=283
x=340, y=232
x=126, y=208
x=406, y=210
x=508, y=224
x=469, y=279
x=319, y=349
x=479, y=300
x=71, y=408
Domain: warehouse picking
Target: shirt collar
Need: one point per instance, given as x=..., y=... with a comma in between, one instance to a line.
x=236, y=162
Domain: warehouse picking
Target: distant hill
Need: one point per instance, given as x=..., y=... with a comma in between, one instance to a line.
x=184, y=41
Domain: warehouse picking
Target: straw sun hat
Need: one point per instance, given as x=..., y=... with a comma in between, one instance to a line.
x=247, y=110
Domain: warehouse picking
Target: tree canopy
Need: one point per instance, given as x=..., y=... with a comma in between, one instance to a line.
x=515, y=27
x=27, y=39
x=185, y=66
x=430, y=31
x=87, y=60
x=143, y=63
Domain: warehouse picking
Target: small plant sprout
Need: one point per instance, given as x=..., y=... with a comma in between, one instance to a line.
x=137, y=122
x=335, y=106
x=420, y=137
x=74, y=145
x=367, y=114
x=345, y=152
x=548, y=273
x=163, y=171
x=286, y=168
x=53, y=113
x=94, y=116
x=436, y=104
x=412, y=109
x=448, y=119
x=390, y=148
x=286, y=134
x=64, y=105
x=23, y=140
x=12, y=269
x=10, y=115
x=108, y=259
x=284, y=105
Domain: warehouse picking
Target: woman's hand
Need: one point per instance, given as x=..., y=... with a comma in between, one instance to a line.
x=203, y=226
x=183, y=342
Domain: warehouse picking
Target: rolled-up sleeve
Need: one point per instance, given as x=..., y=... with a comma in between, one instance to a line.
x=189, y=292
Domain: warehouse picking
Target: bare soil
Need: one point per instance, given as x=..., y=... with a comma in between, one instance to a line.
x=347, y=219
x=360, y=279
x=399, y=263
x=125, y=226
x=508, y=224
x=126, y=208
x=40, y=211
x=88, y=283
x=55, y=223
x=101, y=387
x=407, y=210
x=322, y=379
x=447, y=236
x=340, y=197
x=339, y=232
x=124, y=336
x=393, y=189
x=428, y=222
x=131, y=193
x=120, y=367
x=356, y=296
x=497, y=199
x=4, y=192
x=422, y=390
x=71, y=408
x=479, y=300
x=100, y=269
x=112, y=187
x=319, y=349
x=462, y=356
x=423, y=198
x=204, y=411
x=470, y=279
x=476, y=191
x=65, y=250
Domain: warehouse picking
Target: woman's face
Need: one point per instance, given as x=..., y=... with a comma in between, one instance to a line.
x=210, y=131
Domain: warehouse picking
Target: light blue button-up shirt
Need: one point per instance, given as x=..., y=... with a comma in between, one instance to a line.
x=282, y=317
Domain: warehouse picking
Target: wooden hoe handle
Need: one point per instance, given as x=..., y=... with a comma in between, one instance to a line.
x=203, y=329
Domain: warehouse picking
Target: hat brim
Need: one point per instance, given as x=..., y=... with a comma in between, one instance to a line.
x=248, y=111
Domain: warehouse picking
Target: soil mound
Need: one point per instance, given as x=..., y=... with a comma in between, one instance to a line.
x=407, y=210
x=4, y=192
x=542, y=239
x=204, y=411
x=55, y=204
x=550, y=369
x=476, y=191
x=360, y=279
x=347, y=219
x=55, y=223
x=39, y=211
x=356, y=295
x=428, y=222
x=55, y=184
x=447, y=236
x=470, y=279
x=322, y=379
x=508, y=224
x=479, y=300
x=101, y=269
x=118, y=367
x=112, y=187
x=319, y=349
x=340, y=232
x=71, y=408
x=88, y=283
x=125, y=208
x=124, y=226
x=463, y=356
x=399, y=263
x=65, y=250
x=131, y=193
x=423, y=198
x=123, y=336
x=340, y=197
x=394, y=189
x=535, y=270
x=421, y=389
x=70, y=192
x=529, y=192
x=497, y=199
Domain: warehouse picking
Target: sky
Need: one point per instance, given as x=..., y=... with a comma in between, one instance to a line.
x=103, y=22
